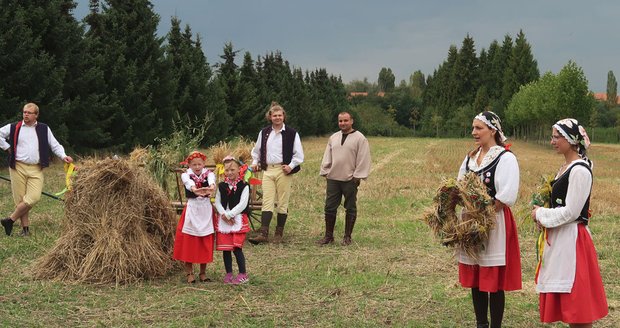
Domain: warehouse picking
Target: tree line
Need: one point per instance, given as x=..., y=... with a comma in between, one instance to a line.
x=503, y=78
x=111, y=83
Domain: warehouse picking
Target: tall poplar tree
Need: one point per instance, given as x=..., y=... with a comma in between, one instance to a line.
x=612, y=89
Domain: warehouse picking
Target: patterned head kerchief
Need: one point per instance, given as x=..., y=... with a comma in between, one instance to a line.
x=574, y=133
x=492, y=121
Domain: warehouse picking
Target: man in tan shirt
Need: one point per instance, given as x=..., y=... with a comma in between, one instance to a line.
x=346, y=161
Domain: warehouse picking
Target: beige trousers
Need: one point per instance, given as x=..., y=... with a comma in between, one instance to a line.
x=276, y=188
x=26, y=183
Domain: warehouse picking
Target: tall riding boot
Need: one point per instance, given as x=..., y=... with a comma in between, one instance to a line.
x=265, y=220
x=330, y=222
x=277, y=238
x=348, y=229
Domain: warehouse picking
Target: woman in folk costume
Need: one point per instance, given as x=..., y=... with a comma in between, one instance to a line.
x=497, y=267
x=231, y=202
x=194, y=236
x=568, y=276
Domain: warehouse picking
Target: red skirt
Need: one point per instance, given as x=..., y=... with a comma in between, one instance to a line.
x=192, y=249
x=587, y=301
x=229, y=241
x=496, y=278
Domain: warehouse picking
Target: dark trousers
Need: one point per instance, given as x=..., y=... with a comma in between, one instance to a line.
x=334, y=193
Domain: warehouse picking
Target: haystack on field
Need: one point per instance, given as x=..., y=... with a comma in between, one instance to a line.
x=396, y=273
x=118, y=228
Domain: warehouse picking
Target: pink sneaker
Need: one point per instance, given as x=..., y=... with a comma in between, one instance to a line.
x=228, y=278
x=241, y=278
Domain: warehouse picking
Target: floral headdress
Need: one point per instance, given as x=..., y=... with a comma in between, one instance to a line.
x=492, y=121
x=195, y=154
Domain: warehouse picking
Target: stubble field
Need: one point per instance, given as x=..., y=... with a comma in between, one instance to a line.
x=394, y=274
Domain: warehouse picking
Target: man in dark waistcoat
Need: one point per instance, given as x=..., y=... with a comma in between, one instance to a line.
x=29, y=144
x=279, y=154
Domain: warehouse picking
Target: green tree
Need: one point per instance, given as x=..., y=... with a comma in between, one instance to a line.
x=482, y=100
x=522, y=68
x=251, y=115
x=386, y=80
x=612, y=89
x=465, y=74
x=418, y=84
x=40, y=50
x=539, y=104
x=136, y=72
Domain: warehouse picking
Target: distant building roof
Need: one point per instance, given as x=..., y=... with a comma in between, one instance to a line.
x=602, y=96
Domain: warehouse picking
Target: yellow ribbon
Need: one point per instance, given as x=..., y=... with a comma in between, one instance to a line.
x=219, y=169
x=69, y=172
x=540, y=247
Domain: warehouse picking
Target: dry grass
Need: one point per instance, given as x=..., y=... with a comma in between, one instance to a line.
x=118, y=228
x=394, y=274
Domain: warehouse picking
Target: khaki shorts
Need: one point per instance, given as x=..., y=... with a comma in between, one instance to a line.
x=26, y=183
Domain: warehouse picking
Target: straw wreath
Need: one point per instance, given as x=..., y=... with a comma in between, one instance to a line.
x=469, y=230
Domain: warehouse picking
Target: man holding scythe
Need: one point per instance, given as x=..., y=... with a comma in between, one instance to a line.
x=28, y=146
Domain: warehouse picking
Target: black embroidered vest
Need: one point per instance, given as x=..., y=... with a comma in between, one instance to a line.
x=487, y=174
x=560, y=189
x=230, y=199
x=288, y=142
x=44, y=146
x=199, y=184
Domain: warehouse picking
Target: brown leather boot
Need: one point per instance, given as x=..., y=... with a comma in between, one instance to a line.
x=277, y=238
x=348, y=229
x=262, y=238
x=330, y=222
x=264, y=229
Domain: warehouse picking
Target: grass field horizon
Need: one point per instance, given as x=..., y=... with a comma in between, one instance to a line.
x=394, y=274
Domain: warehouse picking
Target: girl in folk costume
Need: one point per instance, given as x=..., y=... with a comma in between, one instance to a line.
x=568, y=277
x=231, y=202
x=497, y=267
x=194, y=236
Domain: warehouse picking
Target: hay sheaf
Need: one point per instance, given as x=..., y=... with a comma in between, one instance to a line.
x=118, y=228
x=469, y=230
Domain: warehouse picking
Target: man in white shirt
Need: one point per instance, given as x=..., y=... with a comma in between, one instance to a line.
x=278, y=152
x=28, y=146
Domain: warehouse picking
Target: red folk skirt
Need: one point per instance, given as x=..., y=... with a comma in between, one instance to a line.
x=229, y=241
x=192, y=249
x=587, y=301
x=496, y=278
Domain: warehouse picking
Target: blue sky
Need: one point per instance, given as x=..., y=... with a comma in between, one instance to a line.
x=355, y=39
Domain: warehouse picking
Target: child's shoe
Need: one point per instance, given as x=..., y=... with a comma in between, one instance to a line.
x=228, y=278
x=241, y=278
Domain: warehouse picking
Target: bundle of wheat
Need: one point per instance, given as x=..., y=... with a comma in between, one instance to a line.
x=219, y=151
x=469, y=230
x=243, y=151
x=118, y=228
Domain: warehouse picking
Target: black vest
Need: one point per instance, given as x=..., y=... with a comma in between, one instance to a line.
x=230, y=199
x=44, y=146
x=199, y=184
x=288, y=143
x=560, y=188
x=487, y=174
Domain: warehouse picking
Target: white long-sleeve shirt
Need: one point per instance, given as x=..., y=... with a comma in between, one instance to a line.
x=507, y=187
x=579, y=186
x=237, y=209
x=274, y=149
x=28, y=143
